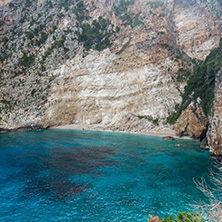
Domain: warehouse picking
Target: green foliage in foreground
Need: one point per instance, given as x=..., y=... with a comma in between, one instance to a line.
x=183, y=217
x=200, y=85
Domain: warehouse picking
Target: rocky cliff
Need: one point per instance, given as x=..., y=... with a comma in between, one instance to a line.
x=119, y=65
x=192, y=122
x=215, y=132
x=196, y=31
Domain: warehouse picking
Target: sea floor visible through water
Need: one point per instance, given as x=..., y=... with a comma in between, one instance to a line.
x=71, y=175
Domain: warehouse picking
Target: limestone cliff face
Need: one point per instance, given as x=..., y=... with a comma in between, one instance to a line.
x=52, y=75
x=98, y=89
x=196, y=31
x=215, y=132
x=130, y=79
x=192, y=122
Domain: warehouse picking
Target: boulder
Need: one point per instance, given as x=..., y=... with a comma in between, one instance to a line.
x=192, y=122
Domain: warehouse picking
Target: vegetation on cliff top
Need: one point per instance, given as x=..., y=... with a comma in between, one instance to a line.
x=200, y=85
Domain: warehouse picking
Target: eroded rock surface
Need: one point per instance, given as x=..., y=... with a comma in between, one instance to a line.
x=192, y=122
x=215, y=132
x=98, y=89
x=196, y=31
x=49, y=78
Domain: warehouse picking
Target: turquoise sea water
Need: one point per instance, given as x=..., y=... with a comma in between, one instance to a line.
x=69, y=175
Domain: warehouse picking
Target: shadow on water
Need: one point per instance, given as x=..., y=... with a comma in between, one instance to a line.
x=51, y=176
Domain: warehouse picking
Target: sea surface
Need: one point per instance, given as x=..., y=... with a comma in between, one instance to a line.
x=70, y=175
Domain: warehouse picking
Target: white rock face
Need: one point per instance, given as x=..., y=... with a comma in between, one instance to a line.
x=111, y=89
x=196, y=32
x=215, y=132
x=98, y=90
x=114, y=88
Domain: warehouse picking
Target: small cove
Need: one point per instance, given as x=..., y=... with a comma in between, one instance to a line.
x=71, y=175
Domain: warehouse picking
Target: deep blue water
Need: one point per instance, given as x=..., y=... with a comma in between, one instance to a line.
x=69, y=175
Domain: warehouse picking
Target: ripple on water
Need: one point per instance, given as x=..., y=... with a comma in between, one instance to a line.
x=68, y=175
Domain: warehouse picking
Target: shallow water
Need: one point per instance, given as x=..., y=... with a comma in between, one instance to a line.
x=70, y=175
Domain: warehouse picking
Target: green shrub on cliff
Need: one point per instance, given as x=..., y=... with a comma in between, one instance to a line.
x=80, y=11
x=95, y=36
x=1, y=23
x=42, y=39
x=121, y=10
x=137, y=20
x=26, y=60
x=122, y=6
x=200, y=85
x=155, y=4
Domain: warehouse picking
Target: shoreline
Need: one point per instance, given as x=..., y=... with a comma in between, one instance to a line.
x=160, y=133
